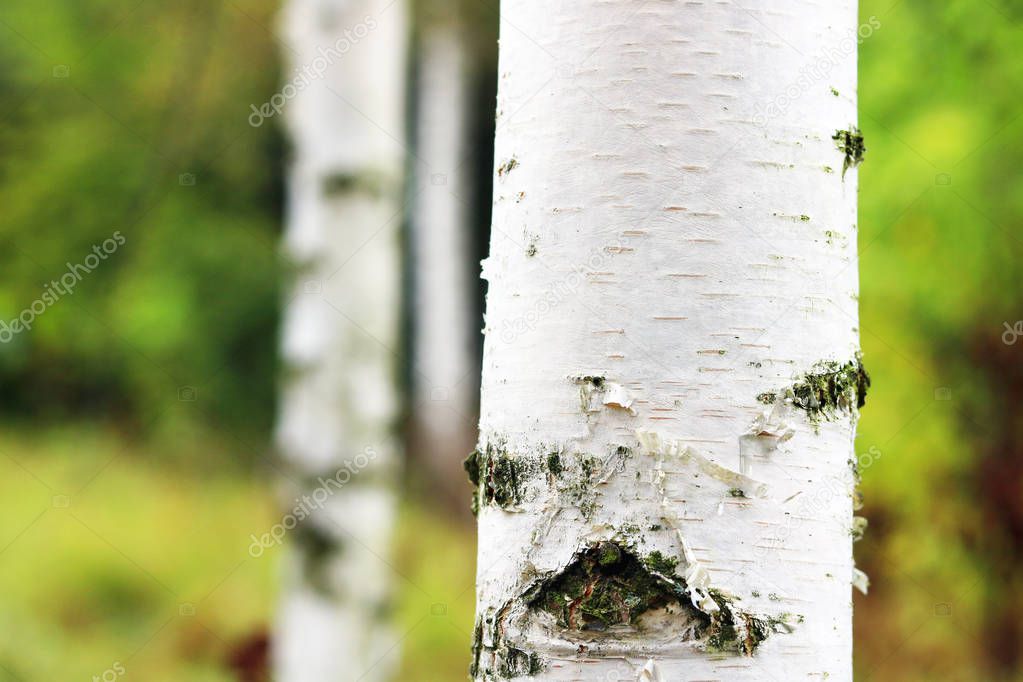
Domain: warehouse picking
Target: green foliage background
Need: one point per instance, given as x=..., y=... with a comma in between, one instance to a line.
x=131, y=117
x=940, y=242
x=128, y=505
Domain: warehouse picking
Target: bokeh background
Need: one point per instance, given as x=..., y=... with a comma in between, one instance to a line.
x=135, y=456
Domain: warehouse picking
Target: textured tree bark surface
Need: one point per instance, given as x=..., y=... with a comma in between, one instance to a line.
x=671, y=374
x=340, y=339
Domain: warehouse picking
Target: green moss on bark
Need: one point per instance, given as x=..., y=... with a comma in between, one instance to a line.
x=830, y=387
x=850, y=143
x=517, y=662
x=605, y=585
x=658, y=563
x=497, y=478
x=501, y=661
x=554, y=465
x=504, y=479
x=737, y=632
x=609, y=584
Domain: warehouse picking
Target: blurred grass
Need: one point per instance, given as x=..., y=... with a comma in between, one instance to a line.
x=106, y=548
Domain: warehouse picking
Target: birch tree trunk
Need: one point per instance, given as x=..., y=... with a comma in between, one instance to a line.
x=446, y=377
x=671, y=375
x=340, y=404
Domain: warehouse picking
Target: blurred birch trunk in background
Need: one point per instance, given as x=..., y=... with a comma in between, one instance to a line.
x=345, y=86
x=445, y=362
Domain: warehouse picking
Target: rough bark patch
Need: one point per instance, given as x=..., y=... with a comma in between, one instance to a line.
x=608, y=585
x=826, y=389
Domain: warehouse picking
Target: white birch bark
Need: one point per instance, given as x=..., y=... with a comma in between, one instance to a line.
x=340, y=337
x=668, y=269
x=446, y=376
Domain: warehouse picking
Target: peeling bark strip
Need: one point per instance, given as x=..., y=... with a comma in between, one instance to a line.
x=642, y=515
